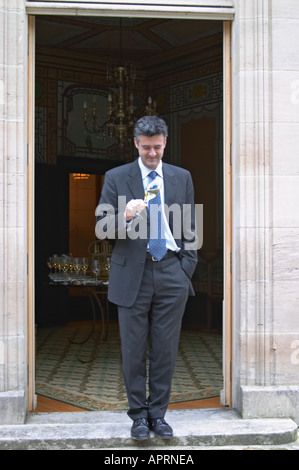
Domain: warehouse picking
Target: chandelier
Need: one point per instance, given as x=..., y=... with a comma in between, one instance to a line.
x=121, y=112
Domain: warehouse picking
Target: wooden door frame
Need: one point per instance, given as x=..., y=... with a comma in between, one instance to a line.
x=228, y=216
x=226, y=398
x=30, y=216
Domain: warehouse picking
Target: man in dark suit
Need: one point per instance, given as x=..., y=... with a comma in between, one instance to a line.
x=149, y=287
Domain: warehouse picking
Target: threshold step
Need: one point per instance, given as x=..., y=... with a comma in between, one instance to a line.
x=111, y=430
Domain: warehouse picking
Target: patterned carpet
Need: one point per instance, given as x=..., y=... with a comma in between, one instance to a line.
x=89, y=375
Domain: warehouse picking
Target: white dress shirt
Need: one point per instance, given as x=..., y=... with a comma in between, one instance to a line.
x=170, y=242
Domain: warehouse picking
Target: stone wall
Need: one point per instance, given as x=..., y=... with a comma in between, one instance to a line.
x=266, y=218
x=13, y=210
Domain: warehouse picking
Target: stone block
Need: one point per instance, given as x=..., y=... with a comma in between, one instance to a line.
x=12, y=407
x=273, y=401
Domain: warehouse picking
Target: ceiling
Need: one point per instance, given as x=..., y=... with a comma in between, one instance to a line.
x=138, y=40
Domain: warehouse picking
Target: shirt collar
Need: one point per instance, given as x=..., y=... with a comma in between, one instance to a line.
x=145, y=171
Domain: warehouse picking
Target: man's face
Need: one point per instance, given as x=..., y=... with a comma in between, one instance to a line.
x=151, y=149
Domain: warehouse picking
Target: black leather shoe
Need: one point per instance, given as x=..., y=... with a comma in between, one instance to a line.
x=140, y=429
x=161, y=428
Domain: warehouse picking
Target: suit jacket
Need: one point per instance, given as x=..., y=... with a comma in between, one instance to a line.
x=128, y=258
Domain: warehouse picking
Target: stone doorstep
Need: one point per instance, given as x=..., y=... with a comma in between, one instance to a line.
x=111, y=430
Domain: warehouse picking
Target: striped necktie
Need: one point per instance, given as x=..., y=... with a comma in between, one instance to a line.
x=157, y=241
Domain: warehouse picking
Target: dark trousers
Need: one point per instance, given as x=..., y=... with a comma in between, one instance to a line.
x=155, y=321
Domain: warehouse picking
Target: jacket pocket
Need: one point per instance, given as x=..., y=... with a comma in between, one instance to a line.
x=118, y=258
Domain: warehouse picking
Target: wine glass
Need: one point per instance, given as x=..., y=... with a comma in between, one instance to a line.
x=151, y=191
x=65, y=266
x=96, y=268
x=50, y=263
x=58, y=266
x=84, y=265
x=76, y=267
x=55, y=262
x=51, y=266
x=107, y=264
x=71, y=267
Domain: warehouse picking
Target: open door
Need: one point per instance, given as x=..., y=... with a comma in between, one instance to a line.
x=226, y=398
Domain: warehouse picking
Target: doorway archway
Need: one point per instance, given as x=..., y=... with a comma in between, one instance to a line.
x=226, y=190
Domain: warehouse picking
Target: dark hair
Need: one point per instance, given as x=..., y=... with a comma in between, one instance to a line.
x=150, y=126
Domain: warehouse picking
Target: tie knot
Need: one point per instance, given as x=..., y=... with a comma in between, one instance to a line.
x=152, y=175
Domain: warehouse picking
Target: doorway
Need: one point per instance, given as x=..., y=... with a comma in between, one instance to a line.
x=201, y=86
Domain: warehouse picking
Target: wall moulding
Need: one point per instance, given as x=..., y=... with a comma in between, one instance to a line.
x=253, y=188
x=221, y=10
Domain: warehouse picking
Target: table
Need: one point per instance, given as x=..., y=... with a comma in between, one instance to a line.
x=97, y=294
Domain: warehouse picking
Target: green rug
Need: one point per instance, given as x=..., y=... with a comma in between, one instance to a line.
x=89, y=375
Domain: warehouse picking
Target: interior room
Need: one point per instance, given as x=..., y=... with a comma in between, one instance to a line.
x=173, y=68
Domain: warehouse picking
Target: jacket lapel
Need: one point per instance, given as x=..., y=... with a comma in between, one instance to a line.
x=170, y=191
x=169, y=184
x=135, y=181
